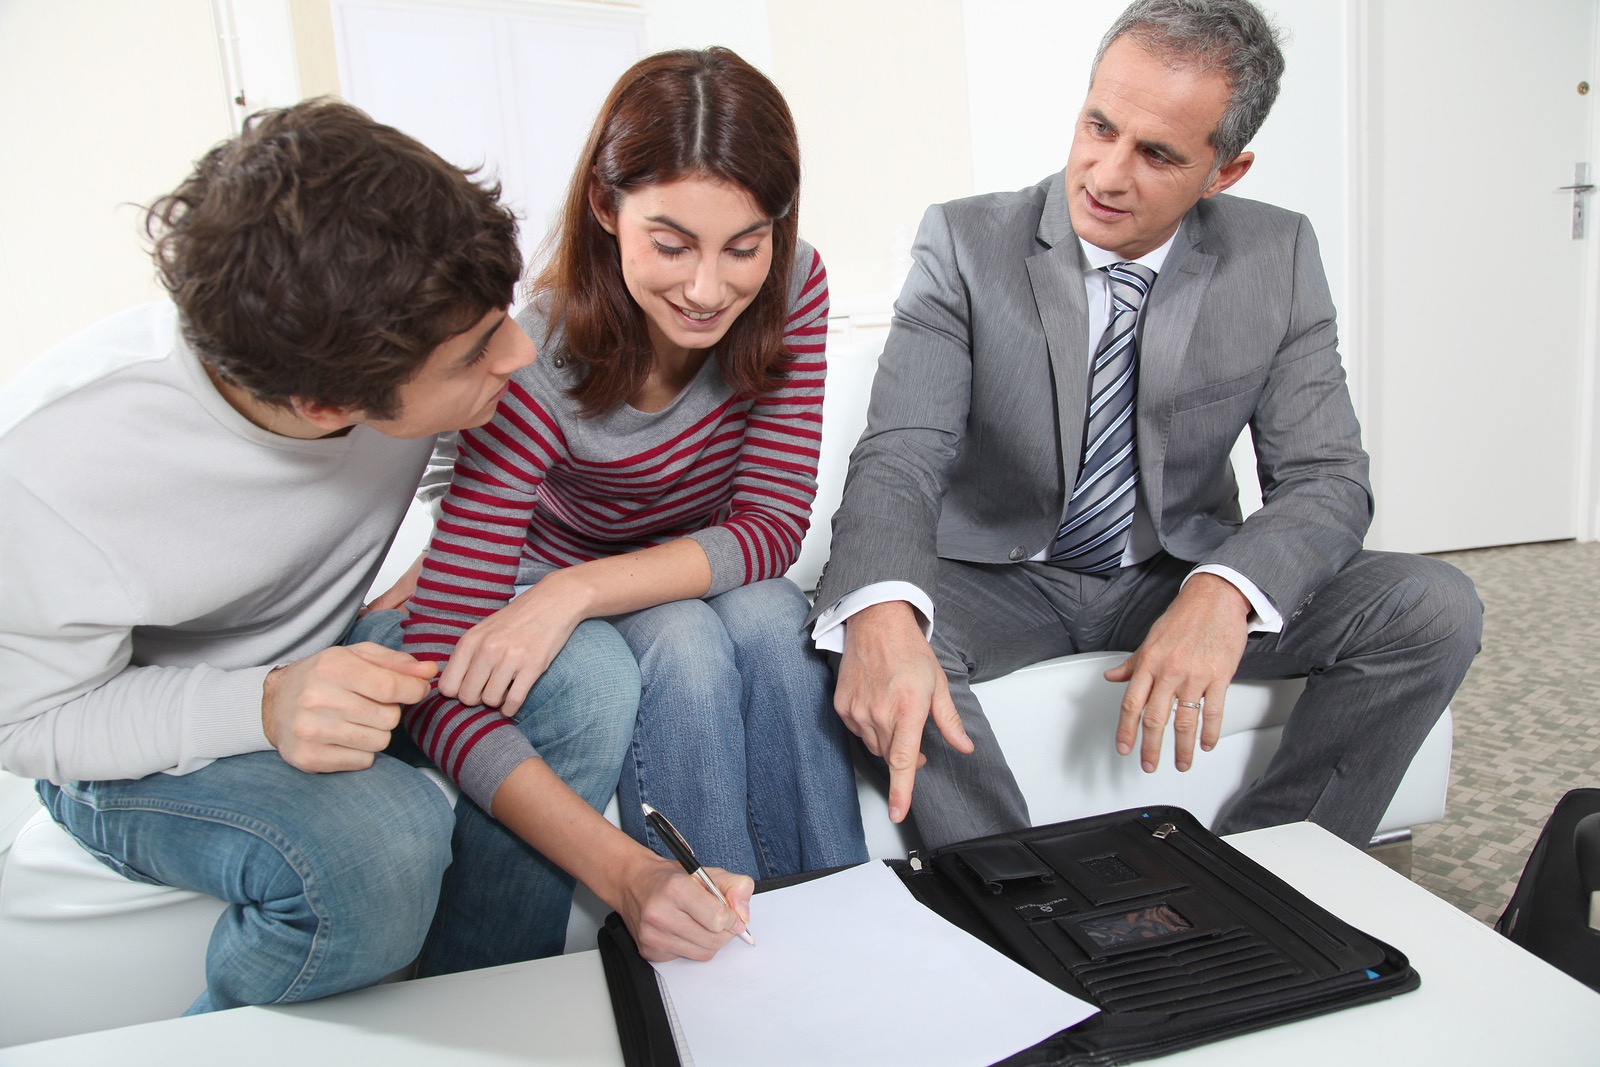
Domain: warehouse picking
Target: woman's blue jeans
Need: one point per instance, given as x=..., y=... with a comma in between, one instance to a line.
x=737, y=741
x=335, y=881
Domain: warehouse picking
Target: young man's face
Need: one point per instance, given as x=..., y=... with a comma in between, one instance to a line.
x=1141, y=153
x=462, y=381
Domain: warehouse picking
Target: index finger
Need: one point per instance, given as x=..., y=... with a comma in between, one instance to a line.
x=738, y=889
x=390, y=677
x=393, y=659
x=903, y=758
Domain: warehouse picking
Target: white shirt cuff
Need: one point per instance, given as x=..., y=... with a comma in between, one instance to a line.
x=1264, y=618
x=828, y=630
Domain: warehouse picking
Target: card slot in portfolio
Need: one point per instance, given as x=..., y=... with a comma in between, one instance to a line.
x=1171, y=982
x=1221, y=957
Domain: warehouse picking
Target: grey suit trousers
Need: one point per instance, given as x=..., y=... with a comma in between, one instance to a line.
x=1383, y=644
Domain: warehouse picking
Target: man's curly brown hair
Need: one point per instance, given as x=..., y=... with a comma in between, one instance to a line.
x=322, y=256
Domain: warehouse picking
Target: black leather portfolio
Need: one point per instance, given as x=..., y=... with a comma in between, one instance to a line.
x=1178, y=938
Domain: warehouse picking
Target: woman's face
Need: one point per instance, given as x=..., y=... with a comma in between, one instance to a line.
x=695, y=253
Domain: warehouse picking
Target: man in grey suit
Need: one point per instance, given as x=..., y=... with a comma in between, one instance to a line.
x=1046, y=469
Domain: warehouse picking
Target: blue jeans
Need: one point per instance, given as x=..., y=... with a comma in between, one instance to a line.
x=501, y=901
x=737, y=741
x=331, y=879
x=334, y=880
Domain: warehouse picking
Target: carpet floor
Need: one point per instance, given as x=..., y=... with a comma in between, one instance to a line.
x=1527, y=719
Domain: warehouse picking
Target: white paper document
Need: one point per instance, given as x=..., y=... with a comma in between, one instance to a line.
x=851, y=968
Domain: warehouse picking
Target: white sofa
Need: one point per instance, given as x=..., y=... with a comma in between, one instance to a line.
x=82, y=948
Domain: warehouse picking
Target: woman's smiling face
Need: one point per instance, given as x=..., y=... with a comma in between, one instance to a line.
x=695, y=252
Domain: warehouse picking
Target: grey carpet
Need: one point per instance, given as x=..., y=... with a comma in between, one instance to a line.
x=1527, y=719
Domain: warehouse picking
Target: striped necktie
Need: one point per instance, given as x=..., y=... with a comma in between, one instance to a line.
x=1095, y=530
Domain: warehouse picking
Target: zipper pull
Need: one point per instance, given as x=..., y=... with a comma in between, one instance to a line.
x=1164, y=831
x=915, y=861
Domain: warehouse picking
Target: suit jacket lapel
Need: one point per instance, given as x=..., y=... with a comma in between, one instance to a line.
x=1164, y=332
x=1056, y=274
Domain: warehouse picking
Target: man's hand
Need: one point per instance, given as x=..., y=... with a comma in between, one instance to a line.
x=334, y=710
x=670, y=914
x=889, y=683
x=498, y=661
x=401, y=591
x=1189, y=657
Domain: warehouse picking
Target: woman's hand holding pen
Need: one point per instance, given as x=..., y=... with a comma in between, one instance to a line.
x=670, y=914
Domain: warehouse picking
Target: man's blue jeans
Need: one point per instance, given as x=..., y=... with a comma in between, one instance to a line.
x=737, y=741
x=334, y=880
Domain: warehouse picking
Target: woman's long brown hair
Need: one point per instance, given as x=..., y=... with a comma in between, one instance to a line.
x=674, y=115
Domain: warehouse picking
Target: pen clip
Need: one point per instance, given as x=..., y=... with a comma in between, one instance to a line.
x=672, y=838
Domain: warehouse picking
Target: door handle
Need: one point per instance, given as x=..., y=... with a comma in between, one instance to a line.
x=1580, y=185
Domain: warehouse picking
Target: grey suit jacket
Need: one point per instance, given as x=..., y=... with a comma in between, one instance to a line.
x=976, y=420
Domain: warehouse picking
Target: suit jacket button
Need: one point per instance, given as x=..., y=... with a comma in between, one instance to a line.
x=1018, y=555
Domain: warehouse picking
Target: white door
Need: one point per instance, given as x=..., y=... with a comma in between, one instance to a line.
x=510, y=87
x=1475, y=285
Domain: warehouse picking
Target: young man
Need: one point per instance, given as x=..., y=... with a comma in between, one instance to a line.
x=1046, y=467
x=197, y=497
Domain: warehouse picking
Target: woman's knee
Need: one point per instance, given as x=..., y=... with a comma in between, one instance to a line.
x=597, y=661
x=680, y=643
x=771, y=612
x=590, y=690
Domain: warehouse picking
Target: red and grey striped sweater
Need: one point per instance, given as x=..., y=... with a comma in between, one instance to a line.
x=543, y=486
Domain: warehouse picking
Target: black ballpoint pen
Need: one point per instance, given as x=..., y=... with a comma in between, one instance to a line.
x=685, y=855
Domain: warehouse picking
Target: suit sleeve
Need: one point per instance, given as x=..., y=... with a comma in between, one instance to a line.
x=886, y=526
x=1316, y=497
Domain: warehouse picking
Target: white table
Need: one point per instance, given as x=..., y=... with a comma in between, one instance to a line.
x=1482, y=1001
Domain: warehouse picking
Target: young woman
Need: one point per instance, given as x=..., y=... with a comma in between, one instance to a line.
x=655, y=468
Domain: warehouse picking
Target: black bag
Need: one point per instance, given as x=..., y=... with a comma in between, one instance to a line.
x=1178, y=938
x=1555, y=902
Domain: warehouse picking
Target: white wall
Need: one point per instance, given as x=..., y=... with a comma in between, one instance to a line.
x=900, y=103
x=1023, y=108
x=879, y=94
x=509, y=89
x=103, y=105
x=742, y=25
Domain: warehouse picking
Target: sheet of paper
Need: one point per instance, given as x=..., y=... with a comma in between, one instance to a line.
x=851, y=968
